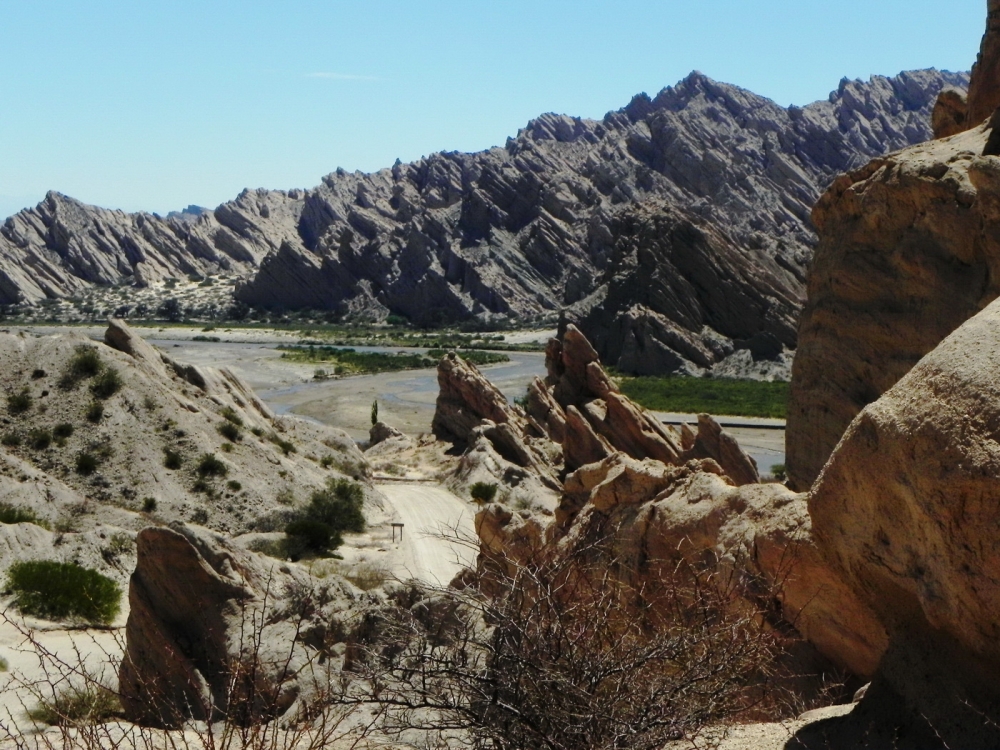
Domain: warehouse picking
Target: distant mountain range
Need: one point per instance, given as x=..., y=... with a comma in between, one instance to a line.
x=516, y=232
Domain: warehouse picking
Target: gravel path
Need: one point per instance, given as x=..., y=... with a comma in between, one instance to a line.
x=427, y=512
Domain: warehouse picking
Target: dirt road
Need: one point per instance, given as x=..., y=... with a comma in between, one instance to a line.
x=427, y=512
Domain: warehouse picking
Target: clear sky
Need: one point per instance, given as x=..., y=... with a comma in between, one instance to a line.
x=153, y=105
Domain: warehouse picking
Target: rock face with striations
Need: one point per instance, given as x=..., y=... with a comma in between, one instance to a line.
x=907, y=511
x=909, y=250
x=209, y=633
x=518, y=231
x=680, y=296
x=984, y=85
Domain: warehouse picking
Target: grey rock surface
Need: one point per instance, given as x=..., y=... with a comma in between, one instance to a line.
x=517, y=232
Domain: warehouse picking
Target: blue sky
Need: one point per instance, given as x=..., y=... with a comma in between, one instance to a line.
x=149, y=105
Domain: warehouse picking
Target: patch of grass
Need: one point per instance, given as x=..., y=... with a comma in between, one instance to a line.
x=78, y=706
x=63, y=591
x=286, y=446
x=63, y=430
x=107, y=384
x=19, y=403
x=95, y=411
x=717, y=396
x=230, y=415
x=475, y=356
x=230, y=431
x=85, y=363
x=352, y=362
x=16, y=514
x=39, y=438
x=210, y=466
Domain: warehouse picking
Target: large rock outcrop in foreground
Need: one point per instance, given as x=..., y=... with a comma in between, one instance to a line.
x=646, y=516
x=909, y=250
x=212, y=631
x=908, y=510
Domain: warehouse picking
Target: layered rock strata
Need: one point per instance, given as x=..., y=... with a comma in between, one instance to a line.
x=518, y=231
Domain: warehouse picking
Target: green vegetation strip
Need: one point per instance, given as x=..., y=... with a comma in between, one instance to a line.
x=717, y=396
x=353, y=362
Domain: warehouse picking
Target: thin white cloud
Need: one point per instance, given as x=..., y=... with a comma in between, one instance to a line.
x=342, y=77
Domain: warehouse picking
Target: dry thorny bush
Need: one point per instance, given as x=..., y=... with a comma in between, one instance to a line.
x=557, y=653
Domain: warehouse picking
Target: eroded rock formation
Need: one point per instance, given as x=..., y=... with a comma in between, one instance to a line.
x=909, y=250
x=214, y=631
x=984, y=85
x=907, y=511
x=518, y=231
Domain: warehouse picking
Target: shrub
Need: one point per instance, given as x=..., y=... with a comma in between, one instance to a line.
x=172, y=459
x=38, y=374
x=338, y=505
x=11, y=439
x=63, y=430
x=86, y=463
x=285, y=445
x=307, y=536
x=234, y=485
x=85, y=363
x=257, y=431
x=94, y=412
x=148, y=504
x=483, y=492
x=78, y=706
x=231, y=416
x=61, y=591
x=210, y=466
x=39, y=439
x=778, y=472
x=19, y=403
x=15, y=514
x=107, y=384
x=230, y=431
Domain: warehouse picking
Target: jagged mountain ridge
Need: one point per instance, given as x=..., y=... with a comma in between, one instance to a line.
x=518, y=231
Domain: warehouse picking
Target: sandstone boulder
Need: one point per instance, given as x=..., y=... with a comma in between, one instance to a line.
x=951, y=113
x=909, y=249
x=210, y=632
x=381, y=432
x=984, y=84
x=907, y=510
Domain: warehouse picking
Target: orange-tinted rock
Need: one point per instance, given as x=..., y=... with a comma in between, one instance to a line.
x=984, y=86
x=951, y=113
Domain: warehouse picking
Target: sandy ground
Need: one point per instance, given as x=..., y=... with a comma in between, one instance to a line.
x=434, y=523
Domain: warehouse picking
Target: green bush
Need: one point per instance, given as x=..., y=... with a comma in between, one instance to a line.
x=11, y=439
x=63, y=430
x=86, y=463
x=172, y=459
x=38, y=374
x=210, y=466
x=331, y=511
x=779, y=472
x=19, y=403
x=483, y=492
x=39, y=439
x=62, y=591
x=234, y=485
x=285, y=445
x=148, y=504
x=107, y=384
x=15, y=514
x=230, y=431
x=95, y=412
x=306, y=536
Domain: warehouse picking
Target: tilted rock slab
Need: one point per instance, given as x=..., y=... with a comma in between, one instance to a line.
x=210, y=632
x=908, y=509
